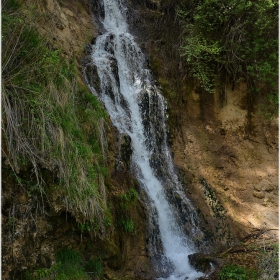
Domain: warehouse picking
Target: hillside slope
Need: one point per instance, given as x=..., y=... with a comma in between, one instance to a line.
x=69, y=204
x=229, y=167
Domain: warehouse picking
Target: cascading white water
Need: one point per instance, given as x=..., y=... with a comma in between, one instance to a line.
x=137, y=108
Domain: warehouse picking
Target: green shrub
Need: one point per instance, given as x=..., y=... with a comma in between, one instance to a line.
x=225, y=42
x=127, y=201
x=234, y=272
x=128, y=198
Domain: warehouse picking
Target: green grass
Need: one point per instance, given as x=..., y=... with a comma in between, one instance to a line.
x=127, y=200
x=126, y=224
x=234, y=272
x=50, y=120
x=94, y=266
x=70, y=265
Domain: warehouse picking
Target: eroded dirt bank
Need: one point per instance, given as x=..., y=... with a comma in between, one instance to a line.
x=241, y=167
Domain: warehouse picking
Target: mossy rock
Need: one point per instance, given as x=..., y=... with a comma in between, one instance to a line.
x=200, y=262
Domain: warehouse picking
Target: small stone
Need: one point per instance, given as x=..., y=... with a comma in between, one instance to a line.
x=269, y=188
x=258, y=188
x=259, y=195
x=271, y=198
x=263, y=185
x=68, y=12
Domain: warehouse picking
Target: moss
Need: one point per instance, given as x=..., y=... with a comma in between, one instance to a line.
x=127, y=201
x=155, y=62
x=70, y=264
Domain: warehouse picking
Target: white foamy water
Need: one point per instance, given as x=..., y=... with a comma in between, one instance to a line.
x=137, y=108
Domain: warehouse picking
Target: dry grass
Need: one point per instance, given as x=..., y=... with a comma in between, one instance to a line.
x=44, y=113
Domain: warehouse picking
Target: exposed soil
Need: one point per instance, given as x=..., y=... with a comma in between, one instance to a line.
x=68, y=24
x=241, y=167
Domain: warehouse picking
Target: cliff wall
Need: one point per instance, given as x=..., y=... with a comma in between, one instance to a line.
x=39, y=225
x=226, y=156
x=222, y=139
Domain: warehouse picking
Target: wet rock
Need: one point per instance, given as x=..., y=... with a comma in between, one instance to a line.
x=92, y=77
x=88, y=49
x=207, y=264
x=200, y=262
x=93, y=40
x=125, y=106
x=126, y=149
x=162, y=271
x=109, y=45
x=123, y=156
x=115, y=70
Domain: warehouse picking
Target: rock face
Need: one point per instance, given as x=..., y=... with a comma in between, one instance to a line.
x=35, y=225
x=241, y=167
x=200, y=262
x=229, y=172
x=215, y=138
x=69, y=24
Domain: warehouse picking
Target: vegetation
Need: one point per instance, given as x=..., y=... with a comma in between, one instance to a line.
x=126, y=224
x=127, y=200
x=70, y=265
x=50, y=120
x=269, y=263
x=226, y=42
x=234, y=272
x=265, y=251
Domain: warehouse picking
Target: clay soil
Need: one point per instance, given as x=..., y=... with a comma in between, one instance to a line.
x=213, y=143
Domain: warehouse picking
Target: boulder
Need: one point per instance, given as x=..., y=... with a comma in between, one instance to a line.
x=201, y=262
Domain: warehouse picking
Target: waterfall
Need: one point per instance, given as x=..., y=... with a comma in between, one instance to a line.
x=137, y=109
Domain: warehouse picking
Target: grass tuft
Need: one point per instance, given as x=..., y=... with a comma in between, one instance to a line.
x=49, y=120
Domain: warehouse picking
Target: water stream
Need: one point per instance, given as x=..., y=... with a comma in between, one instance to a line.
x=137, y=109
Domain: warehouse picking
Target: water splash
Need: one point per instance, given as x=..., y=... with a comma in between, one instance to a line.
x=138, y=109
